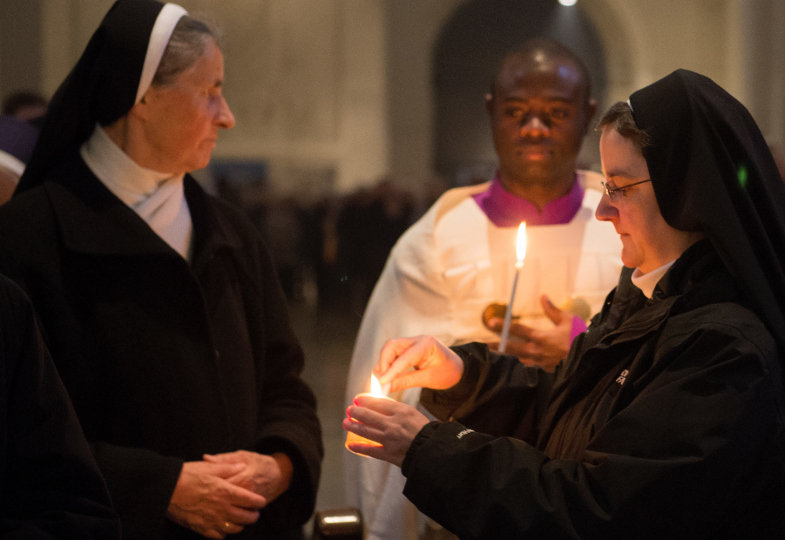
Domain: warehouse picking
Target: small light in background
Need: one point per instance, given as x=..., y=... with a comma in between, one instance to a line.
x=568, y=3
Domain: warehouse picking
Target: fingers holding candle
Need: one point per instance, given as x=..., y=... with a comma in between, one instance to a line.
x=380, y=427
x=377, y=391
x=422, y=361
x=397, y=357
x=389, y=427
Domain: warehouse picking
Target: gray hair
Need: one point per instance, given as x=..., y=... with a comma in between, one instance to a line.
x=188, y=43
x=619, y=115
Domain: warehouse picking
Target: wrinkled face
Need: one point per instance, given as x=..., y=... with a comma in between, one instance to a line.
x=648, y=242
x=183, y=118
x=539, y=115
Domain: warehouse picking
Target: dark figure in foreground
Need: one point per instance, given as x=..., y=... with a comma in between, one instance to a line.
x=50, y=485
x=666, y=419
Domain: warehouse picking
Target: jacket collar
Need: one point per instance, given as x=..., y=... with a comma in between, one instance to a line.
x=697, y=278
x=92, y=220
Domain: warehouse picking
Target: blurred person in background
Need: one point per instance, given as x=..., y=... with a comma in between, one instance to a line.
x=25, y=105
x=17, y=140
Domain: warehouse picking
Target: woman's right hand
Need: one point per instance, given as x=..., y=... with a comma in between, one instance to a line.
x=206, y=502
x=421, y=361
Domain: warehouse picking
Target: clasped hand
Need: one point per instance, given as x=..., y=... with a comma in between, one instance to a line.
x=403, y=363
x=224, y=493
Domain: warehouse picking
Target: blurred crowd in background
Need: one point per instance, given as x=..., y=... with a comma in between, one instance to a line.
x=330, y=250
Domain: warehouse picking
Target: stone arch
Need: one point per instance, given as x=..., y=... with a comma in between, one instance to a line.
x=626, y=60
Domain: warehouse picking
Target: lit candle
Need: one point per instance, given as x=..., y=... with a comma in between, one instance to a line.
x=376, y=391
x=520, y=255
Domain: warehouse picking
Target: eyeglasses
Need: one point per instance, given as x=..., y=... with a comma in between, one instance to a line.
x=612, y=191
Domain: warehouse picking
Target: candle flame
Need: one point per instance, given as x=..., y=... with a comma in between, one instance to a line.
x=376, y=387
x=520, y=243
x=352, y=437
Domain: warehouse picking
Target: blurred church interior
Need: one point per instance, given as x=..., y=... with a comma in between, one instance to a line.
x=353, y=115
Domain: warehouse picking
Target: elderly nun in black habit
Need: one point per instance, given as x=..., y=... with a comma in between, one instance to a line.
x=666, y=420
x=159, y=302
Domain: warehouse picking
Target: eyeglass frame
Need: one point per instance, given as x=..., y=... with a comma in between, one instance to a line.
x=611, y=191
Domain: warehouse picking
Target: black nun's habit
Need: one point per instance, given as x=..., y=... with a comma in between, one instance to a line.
x=712, y=171
x=114, y=71
x=167, y=356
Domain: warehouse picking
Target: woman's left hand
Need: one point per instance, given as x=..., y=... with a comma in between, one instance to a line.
x=267, y=475
x=392, y=424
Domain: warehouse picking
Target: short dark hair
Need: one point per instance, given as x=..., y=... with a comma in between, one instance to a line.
x=620, y=116
x=23, y=98
x=552, y=49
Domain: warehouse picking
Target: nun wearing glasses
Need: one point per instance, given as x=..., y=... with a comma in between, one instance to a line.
x=159, y=303
x=666, y=420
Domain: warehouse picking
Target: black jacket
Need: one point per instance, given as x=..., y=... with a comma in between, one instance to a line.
x=50, y=485
x=665, y=421
x=164, y=359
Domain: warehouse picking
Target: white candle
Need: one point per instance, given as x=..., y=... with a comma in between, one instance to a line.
x=376, y=391
x=520, y=255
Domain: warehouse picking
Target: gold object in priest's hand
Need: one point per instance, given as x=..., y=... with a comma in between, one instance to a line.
x=495, y=310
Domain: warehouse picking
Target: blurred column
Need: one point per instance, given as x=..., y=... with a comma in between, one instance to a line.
x=756, y=56
x=20, y=45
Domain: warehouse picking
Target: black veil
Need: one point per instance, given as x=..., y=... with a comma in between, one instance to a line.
x=101, y=87
x=713, y=172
